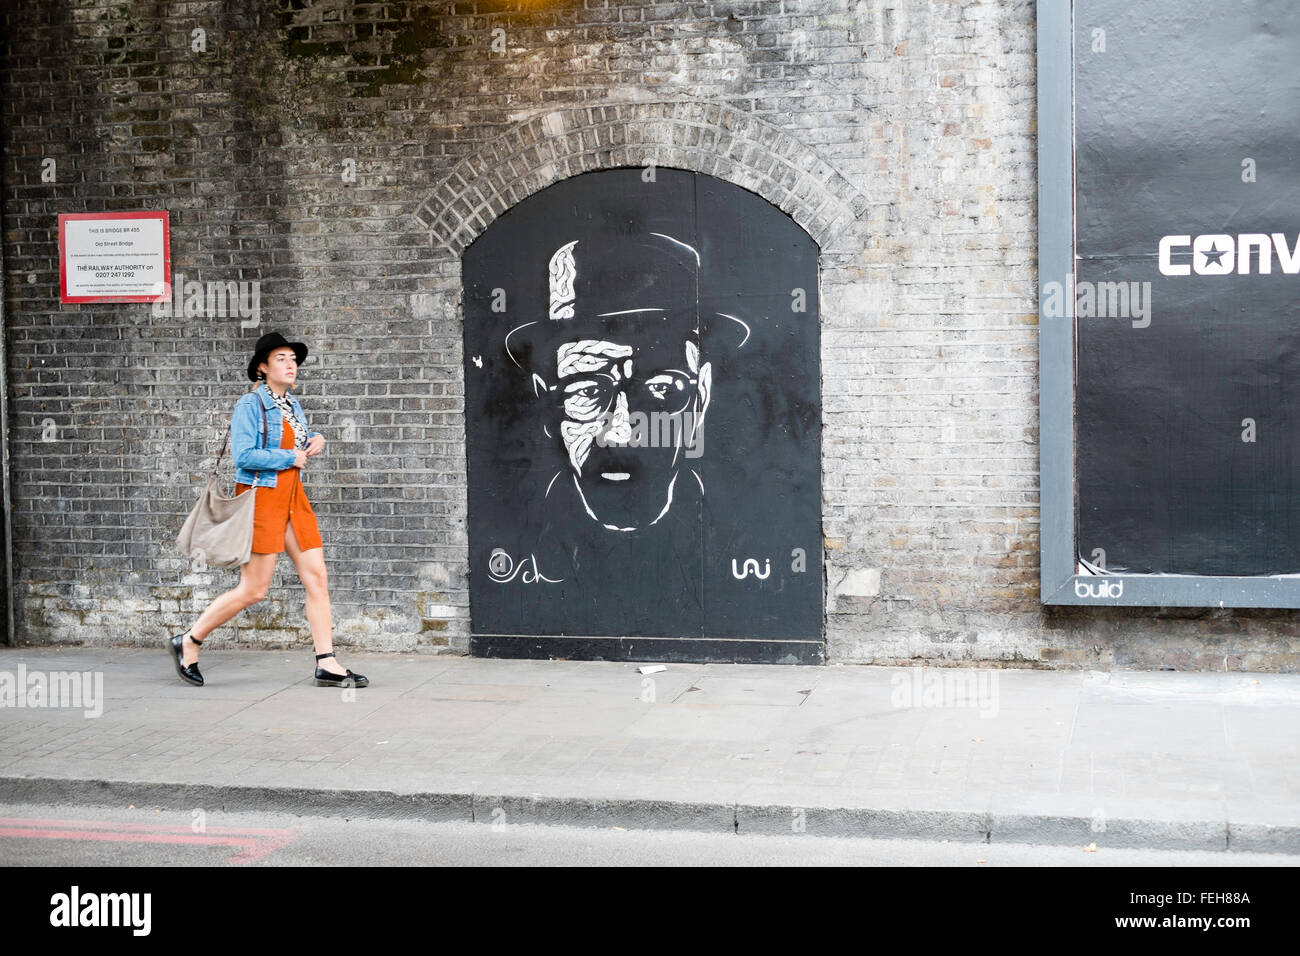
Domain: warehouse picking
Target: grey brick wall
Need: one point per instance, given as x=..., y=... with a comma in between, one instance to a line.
x=901, y=136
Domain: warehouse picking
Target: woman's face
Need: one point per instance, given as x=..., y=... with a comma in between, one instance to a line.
x=280, y=367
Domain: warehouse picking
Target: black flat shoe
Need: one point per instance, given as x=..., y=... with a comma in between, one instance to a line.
x=326, y=679
x=176, y=650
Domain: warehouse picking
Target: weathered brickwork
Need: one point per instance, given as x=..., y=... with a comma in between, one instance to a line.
x=342, y=155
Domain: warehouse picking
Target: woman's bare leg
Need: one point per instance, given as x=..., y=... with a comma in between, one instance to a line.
x=315, y=581
x=254, y=579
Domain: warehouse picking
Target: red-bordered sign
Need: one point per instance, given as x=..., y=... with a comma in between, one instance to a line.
x=114, y=257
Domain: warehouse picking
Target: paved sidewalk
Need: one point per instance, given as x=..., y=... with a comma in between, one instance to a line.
x=1150, y=759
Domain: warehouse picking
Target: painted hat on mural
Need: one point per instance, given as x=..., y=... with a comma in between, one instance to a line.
x=269, y=343
x=612, y=288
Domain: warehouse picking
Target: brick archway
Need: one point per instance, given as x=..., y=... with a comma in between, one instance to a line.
x=701, y=137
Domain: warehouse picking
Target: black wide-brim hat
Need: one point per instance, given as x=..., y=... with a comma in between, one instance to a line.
x=269, y=343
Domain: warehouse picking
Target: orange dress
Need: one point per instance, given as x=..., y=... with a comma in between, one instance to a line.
x=276, y=508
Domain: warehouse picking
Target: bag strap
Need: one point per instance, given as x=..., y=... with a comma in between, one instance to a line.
x=216, y=467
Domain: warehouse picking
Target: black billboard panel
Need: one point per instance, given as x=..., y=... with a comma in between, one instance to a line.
x=1187, y=264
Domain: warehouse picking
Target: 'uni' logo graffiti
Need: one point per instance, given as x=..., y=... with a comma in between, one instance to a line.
x=751, y=564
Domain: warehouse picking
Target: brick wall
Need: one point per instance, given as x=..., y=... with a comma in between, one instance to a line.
x=341, y=155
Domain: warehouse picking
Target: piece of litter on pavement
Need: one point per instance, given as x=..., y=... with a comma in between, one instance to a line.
x=651, y=669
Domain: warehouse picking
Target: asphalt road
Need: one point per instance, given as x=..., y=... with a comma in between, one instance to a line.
x=150, y=836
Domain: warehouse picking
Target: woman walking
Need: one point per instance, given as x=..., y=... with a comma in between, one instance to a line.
x=271, y=444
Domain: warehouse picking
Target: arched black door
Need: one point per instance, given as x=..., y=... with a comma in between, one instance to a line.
x=642, y=412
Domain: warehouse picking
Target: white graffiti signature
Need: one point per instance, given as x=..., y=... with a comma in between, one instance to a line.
x=502, y=569
x=751, y=564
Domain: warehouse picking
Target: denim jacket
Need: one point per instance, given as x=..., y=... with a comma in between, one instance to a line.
x=256, y=462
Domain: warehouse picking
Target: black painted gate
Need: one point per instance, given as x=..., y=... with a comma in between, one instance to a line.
x=642, y=408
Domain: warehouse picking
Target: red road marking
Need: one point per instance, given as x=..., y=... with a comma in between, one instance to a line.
x=255, y=843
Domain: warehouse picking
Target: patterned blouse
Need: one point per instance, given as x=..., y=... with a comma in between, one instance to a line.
x=297, y=424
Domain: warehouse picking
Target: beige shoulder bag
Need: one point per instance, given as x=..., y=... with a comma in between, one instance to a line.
x=219, y=530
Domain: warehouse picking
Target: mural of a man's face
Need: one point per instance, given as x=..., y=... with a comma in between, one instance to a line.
x=626, y=396
x=632, y=416
x=609, y=323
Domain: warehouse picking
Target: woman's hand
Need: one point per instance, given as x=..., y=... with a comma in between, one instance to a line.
x=315, y=445
x=300, y=459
